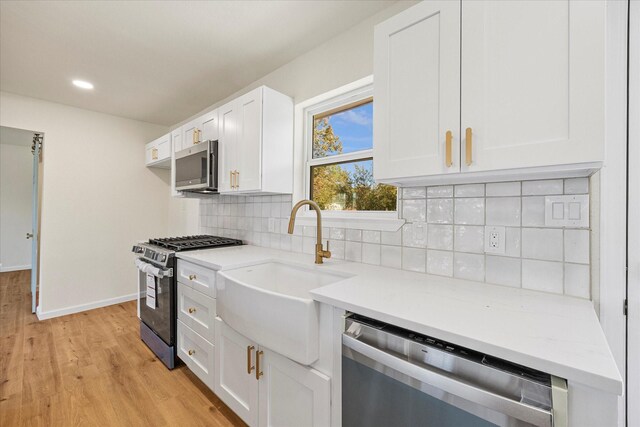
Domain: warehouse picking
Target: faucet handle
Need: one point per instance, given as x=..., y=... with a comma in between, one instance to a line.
x=327, y=253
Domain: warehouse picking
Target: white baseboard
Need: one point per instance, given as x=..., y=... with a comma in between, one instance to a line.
x=84, y=307
x=14, y=268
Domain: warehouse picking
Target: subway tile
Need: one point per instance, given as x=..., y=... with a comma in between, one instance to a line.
x=353, y=235
x=414, y=193
x=414, y=210
x=391, y=256
x=576, y=246
x=440, y=262
x=353, y=251
x=469, y=238
x=414, y=259
x=337, y=249
x=391, y=237
x=546, y=187
x=371, y=253
x=285, y=242
x=337, y=233
x=503, y=211
x=440, y=191
x=503, y=271
x=498, y=189
x=468, y=266
x=440, y=236
x=308, y=245
x=512, y=242
x=415, y=235
x=533, y=211
x=576, y=186
x=371, y=236
x=440, y=211
x=469, y=211
x=542, y=243
x=469, y=190
x=542, y=276
x=577, y=280
x=308, y=230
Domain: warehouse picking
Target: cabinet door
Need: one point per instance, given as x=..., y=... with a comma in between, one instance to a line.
x=532, y=82
x=227, y=147
x=197, y=311
x=164, y=147
x=176, y=142
x=249, y=141
x=292, y=394
x=417, y=91
x=234, y=385
x=209, y=126
x=176, y=139
x=190, y=135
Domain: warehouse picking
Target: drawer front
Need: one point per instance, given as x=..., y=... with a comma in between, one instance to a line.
x=199, y=278
x=200, y=361
x=197, y=311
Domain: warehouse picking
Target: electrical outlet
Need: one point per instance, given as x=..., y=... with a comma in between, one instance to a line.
x=494, y=239
x=272, y=225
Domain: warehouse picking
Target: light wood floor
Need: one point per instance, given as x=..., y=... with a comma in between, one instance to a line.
x=91, y=369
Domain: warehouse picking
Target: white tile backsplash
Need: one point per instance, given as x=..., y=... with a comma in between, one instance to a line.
x=443, y=234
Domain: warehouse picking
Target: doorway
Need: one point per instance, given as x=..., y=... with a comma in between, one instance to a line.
x=20, y=200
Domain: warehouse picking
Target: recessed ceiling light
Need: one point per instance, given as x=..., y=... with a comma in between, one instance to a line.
x=82, y=84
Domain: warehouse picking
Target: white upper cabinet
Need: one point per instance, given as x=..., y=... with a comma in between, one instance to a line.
x=176, y=142
x=532, y=83
x=158, y=152
x=256, y=143
x=522, y=91
x=203, y=128
x=417, y=91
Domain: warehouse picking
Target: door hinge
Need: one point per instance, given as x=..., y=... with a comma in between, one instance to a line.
x=625, y=307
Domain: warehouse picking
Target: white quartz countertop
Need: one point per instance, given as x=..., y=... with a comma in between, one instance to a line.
x=556, y=334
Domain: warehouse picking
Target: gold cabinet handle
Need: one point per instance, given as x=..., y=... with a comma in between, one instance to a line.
x=469, y=135
x=192, y=277
x=249, y=367
x=192, y=352
x=448, y=138
x=237, y=179
x=192, y=310
x=258, y=371
x=154, y=154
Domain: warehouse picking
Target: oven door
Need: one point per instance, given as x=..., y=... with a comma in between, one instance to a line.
x=193, y=167
x=157, y=300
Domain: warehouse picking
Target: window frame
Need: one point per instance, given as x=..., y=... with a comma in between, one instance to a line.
x=341, y=102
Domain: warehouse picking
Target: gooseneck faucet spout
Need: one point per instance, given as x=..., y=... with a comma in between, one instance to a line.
x=320, y=252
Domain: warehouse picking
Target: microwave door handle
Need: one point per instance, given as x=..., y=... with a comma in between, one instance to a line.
x=450, y=384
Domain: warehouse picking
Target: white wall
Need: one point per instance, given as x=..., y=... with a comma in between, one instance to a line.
x=98, y=199
x=16, y=165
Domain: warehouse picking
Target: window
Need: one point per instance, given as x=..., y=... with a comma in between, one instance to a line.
x=340, y=156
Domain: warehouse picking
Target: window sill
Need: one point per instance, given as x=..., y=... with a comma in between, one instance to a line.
x=355, y=221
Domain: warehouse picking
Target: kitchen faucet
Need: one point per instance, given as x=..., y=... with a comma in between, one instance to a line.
x=320, y=252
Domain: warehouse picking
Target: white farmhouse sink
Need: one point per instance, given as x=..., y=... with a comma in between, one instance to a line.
x=270, y=304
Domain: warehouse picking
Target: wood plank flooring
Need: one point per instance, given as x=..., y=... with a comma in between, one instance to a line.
x=91, y=369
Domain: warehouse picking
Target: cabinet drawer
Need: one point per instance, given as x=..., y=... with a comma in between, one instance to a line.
x=200, y=361
x=199, y=278
x=197, y=311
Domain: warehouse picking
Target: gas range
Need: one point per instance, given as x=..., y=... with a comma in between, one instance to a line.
x=159, y=251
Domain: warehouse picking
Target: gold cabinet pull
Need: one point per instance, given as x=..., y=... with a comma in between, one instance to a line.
x=237, y=179
x=192, y=277
x=258, y=371
x=231, y=179
x=448, y=138
x=154, y=154
x=194, y=137
x=249, y=367
x=468, y=150
x=192, y=310
x=192, y=352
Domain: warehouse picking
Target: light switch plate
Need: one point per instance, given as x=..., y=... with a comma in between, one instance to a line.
x=494, y=239
x=567, y=211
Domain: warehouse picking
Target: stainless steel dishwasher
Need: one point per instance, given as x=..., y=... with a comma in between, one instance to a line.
x=395, y=377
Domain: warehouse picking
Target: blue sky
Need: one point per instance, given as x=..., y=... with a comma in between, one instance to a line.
x=355, y=129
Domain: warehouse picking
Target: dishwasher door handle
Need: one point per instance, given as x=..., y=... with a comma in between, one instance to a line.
x=453, y=385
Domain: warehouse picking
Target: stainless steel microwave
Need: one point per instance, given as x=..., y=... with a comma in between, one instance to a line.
x=197, y=168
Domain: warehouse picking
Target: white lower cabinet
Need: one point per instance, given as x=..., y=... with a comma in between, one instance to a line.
x=267, y=389
x=197, y=353
x=197, y=311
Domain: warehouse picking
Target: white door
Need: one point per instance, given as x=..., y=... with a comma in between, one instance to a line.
x=417, y=91
x=532, y=83
x=249, y=141
x=235, y=381
x=210, y=126
x=227, y=146
x=292, y=394
x=34, y=220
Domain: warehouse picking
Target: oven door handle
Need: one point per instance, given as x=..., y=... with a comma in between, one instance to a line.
x=145, y=267
x=455, y=386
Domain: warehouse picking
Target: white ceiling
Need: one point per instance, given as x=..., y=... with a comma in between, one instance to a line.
x=159, y=61
x=13, y=136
